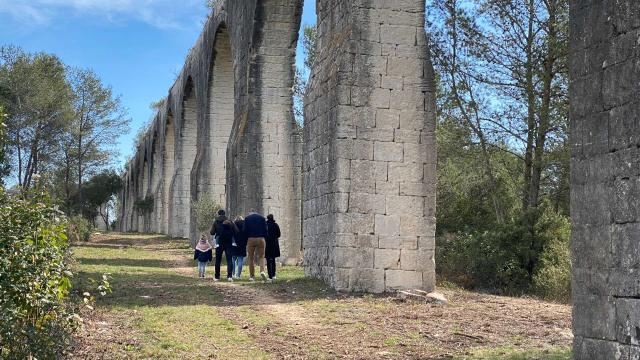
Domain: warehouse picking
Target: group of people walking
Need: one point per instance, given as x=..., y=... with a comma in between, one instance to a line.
x=254, y=236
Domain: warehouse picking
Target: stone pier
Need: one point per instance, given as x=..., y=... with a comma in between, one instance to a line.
x=605, y=178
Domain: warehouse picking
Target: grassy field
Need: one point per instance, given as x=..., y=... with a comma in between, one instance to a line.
x=159, y=309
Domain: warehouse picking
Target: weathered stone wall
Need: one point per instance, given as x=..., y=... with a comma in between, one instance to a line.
x=369, y=150
x=605, y=178
x=227, y=128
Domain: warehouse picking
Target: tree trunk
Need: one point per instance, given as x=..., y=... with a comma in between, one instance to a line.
x=531, y=103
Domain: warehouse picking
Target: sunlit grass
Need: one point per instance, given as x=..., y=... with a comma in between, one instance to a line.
x=171, y=315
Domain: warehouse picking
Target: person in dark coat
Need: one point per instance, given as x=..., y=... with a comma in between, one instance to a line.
x=225, y=231
x=255, y=227
x=272, y=250
x=203, y=254
x=239, y=248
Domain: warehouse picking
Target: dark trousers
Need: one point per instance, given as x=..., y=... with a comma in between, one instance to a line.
x=271, y=267
x=227, y=254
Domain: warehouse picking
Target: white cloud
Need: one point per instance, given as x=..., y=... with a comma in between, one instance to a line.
x=164, y=14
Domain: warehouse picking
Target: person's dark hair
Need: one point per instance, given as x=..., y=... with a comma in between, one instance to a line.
x=270, y=217
x=221, y=212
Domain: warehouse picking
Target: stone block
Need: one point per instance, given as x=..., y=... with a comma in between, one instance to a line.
x=628, y=321
x=597, y=317
x=587, y=349
x=410, y=173
x=367, y=280
x=365, y=203
x=409, y=259
x=625, y=245
x=354, y=257
x=389, y=242
x=387, y=188
x=386, y=118
x=404, y=67
x=387, y=259
x=380, y=98
x=401, y=279
x=391, y=82
x=387, y=225
x=398, y=205
x=409, y=242
x=398, y=34
x=416, y=225
x=385, y=151
x=625, y=202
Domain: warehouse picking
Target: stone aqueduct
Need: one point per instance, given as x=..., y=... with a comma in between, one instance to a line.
x=361, y=185
x=355, y=188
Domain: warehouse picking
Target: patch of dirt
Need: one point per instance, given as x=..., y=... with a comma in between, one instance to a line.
x=104, y=336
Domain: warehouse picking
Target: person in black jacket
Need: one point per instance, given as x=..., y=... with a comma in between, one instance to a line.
x=203, y=254
x=239, y=248
x=255, y=227
x=272, y=250
x=225, y=231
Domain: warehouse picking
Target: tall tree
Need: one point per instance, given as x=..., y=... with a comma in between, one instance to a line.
x=503, y=66
x=37, y=98
x=98, y=119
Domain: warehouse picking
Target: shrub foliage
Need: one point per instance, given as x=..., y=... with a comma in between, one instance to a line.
x=34, y=279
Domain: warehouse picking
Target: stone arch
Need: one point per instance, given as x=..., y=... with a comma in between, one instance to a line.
x=185, y=157
x=168, y=171
x=263, y=153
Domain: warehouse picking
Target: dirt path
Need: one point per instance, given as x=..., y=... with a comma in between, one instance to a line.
x=296, y=317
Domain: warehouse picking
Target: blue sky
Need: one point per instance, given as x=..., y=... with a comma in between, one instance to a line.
x=136, y=46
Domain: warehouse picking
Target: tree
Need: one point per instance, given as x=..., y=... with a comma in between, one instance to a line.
x=5, y=168
x=98, y=119
x=99, y=197
x=37, y=98
x=309, y=36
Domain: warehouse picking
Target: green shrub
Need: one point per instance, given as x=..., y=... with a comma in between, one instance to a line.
x=529, y=255
x=552, y=279
x=205, y=210
x=34, y=279
x=79, y=229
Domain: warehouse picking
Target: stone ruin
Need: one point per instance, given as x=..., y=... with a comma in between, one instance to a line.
x=354, y=188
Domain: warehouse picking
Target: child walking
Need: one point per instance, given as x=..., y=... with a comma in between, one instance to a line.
x=239, y=248
x=272, y=250
x=203, y=254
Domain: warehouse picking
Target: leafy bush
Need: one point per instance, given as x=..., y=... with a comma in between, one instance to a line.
x=79, y=229
x=527, y=255
x=34, y=279
x=205, y=210
x=552, y=279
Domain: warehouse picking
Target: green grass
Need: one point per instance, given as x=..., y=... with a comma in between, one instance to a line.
x=169, y=314
x=292, y=281
x=510, y=353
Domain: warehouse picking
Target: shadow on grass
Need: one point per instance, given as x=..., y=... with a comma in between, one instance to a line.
x=128, y=262
x=135, y=290
x=137, y=241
